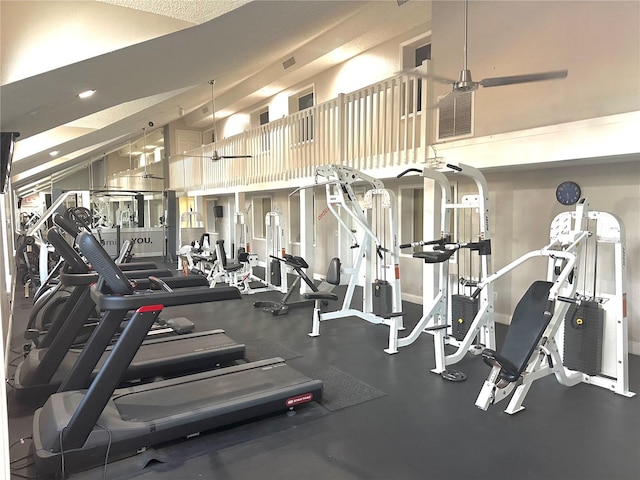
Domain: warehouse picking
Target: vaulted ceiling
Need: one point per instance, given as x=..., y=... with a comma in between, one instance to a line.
x=150, y=61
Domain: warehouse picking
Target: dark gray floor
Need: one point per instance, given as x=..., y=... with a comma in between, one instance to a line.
x=414, y=425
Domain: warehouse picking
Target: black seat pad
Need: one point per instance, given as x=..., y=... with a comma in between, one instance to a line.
x=530, y=319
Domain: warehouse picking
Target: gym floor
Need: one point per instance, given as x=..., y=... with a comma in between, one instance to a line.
x=382, y=416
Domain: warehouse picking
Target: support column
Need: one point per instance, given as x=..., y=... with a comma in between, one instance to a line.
x=306, y=234
x=238, y=206
x=431, y=208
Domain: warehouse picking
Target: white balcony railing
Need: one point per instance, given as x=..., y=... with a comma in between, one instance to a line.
x=376, y=127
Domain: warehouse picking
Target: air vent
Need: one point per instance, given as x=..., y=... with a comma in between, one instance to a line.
x=205, y=110
x=402, y=2
x=455, y=115
x=289, y=62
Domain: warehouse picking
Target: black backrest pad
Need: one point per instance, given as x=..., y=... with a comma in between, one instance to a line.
x=221, y=253
x=66, y=251
x=103, y=264
x=530, y=319
x=333, y=272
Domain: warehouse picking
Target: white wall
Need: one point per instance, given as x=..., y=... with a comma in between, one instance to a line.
x=597, y=41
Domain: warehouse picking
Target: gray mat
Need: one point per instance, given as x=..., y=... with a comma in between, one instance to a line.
x=340, y=390
x=261, y=348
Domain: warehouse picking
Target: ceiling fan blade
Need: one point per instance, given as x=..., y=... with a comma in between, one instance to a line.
x=531, y=77
x=426, y=76
x=235, y=156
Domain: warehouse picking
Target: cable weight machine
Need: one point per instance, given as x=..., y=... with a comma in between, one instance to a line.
x=534, y=342
x=376, y=253
x=463, y=319
x=595, y=334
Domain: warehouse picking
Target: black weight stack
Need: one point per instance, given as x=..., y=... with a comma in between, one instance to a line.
x=583, y=330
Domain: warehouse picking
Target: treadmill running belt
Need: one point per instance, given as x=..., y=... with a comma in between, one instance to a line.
x=190, y=395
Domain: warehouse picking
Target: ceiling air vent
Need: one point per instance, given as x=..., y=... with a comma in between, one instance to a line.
x=289, y=62
x=205, y=110
x=455, y=116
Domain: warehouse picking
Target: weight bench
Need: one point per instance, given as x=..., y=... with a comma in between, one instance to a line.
x=528, y=323
x=529, y=351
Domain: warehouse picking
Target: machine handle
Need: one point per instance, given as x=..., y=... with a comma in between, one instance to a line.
x=422, y=243
x=408, y=170
x=568, y=300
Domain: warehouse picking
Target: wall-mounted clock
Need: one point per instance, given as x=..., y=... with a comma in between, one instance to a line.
x=568, y=193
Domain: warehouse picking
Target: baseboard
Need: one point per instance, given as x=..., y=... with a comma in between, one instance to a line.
x=409, y=297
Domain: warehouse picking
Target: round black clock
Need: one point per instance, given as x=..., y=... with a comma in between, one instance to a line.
x=568, y=193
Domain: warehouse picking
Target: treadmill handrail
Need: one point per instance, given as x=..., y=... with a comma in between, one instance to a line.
x=74, y=261
x=168, y=299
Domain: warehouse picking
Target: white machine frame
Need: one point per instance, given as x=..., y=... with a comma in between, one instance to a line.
x=276, y=246
x=437, y=310
x=568, y=236
x=340, y=195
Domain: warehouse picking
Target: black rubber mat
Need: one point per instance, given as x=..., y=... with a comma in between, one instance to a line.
x=340, y=390
x=261, y=348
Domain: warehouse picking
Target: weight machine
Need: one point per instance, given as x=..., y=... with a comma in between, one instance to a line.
x=275, y=273
x=531, y=349
x=376, y=259
x=298, y=265
x=470, y=309
x=241, y=274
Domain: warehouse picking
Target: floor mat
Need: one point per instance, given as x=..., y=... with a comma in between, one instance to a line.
x=261, y=349
x=168, y=456
x=341, y=390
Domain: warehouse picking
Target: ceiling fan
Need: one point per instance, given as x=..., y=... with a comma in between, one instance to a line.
x=215, y=156
x=465, y=82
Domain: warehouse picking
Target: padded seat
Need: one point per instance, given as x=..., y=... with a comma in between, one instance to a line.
x=528, y=323
x=435, y=256
x=332, y=278
x=222, y=256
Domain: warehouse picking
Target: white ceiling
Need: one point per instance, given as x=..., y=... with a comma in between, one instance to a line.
x=181, y=45
x=192, y=11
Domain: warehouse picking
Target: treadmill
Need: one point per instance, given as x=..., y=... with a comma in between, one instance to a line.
x=44, y=370
x=81, y=429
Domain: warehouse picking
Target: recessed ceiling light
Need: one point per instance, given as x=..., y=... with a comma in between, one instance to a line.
x=53, y=153
x=86, y=94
